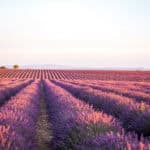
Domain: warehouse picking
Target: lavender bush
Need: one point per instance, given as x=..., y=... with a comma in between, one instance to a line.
x=9, y=90
x=74, y=122
x=18, y=119
x=134, y=116
x=114, y=141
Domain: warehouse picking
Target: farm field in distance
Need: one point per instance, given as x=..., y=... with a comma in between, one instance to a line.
x=76, y=74
x=74, y=110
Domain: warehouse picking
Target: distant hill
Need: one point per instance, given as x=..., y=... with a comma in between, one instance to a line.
x=47, y=66
x=55, y=67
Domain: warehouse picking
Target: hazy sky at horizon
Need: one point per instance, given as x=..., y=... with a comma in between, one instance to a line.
x=104, y=33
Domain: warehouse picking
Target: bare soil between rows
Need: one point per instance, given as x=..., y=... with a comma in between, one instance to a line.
x=43, y=131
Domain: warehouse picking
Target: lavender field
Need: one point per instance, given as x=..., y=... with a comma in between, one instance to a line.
x=74, y=74
x=68, y=113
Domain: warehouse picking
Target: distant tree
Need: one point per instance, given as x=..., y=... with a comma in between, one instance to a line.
x=2, y=67
x=15, y=66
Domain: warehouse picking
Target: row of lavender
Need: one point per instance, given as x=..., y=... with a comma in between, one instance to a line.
x=4, y=82
x=8, y=90
x=130, y=91
x=134, y=116
x=76, y=125
x=18, y=119
x=126, y=84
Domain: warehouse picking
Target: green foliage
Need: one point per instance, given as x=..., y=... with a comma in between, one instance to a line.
x=2, y=67
x=15, y=66
x=79, y=134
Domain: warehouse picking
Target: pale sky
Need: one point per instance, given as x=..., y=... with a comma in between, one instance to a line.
x=103, y=33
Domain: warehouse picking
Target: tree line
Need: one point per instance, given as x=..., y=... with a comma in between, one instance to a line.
x=14, y=67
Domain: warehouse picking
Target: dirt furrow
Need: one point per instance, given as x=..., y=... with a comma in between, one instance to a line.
x=43, y=131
